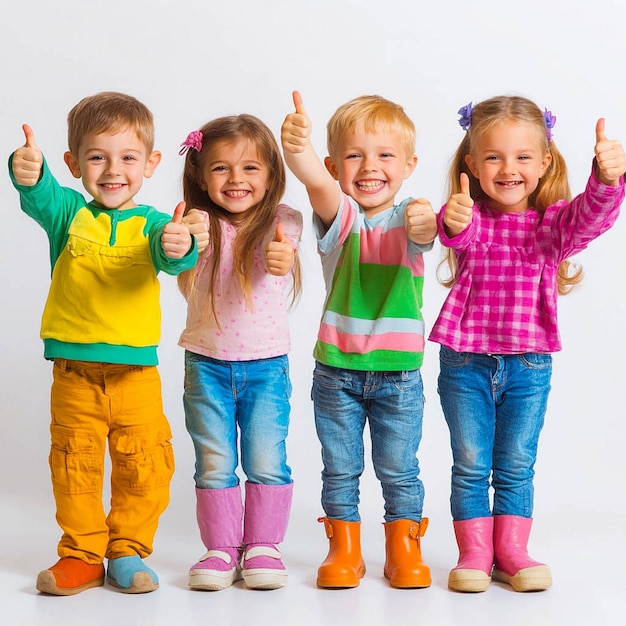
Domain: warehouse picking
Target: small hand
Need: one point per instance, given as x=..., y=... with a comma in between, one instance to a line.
x=27, y=160
x=197, y=223
x=420, y=221
x=279, y=253
x=459, y=209
x=610, y=159
x=176, y=238
x=296, y=130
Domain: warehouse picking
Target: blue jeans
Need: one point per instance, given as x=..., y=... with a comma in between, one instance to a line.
x=222, y=396
x=393, y=403
x=494, y=406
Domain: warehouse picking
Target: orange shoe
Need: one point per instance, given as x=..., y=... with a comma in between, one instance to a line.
x=343, y=567
x=404, y=566
x=69, y=576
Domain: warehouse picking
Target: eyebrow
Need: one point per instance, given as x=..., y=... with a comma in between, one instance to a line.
x=226, y=162
x=97, y=149
x=519, y=151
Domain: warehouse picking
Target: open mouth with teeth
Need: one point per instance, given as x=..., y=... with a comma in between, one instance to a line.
x=370, y=186
x=236, y=193
x=509, y=184
x=112, y=186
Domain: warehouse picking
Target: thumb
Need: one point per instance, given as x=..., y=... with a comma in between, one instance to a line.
x=280, y=233
x=298, y=103
x=29, y=135
x=600, y=135
x=177, y=218
x=465, y=184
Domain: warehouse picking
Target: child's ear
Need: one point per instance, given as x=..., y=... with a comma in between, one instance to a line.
x=472, y=166
x=151, y=164
x=545, y=164
x=72, y=162
x=331, y=167
x=410, y=166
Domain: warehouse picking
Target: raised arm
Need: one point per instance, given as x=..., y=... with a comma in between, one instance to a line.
x=302, y=160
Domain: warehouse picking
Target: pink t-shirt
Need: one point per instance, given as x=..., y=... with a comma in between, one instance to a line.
x=244, y=333
x=504, y=300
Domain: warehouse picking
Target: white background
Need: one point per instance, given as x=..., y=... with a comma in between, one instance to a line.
x=191, y=61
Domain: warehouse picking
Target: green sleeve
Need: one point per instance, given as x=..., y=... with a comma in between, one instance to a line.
x=53, y=207
x=155, y=222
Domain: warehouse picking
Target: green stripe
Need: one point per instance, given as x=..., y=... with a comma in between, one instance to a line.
x=375, y=361
x=381, y=290
x=100, y=353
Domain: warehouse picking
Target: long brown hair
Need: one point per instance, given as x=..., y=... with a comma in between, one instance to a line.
x=253, y=225
x=552, y=187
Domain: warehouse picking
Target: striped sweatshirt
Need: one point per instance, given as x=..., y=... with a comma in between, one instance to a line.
x=374, y=275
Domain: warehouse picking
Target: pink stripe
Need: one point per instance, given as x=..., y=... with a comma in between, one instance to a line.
x=389, y=248
x=362, y=344
x=347, y=219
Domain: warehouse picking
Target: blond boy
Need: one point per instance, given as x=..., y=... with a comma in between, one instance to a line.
x=371, y=338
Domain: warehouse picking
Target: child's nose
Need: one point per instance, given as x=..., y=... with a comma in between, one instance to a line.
x=113, y=166
x=368, y=164
x=235, y=176
x=509, y=166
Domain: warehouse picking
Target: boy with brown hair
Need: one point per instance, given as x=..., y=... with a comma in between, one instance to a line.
x=101, y=327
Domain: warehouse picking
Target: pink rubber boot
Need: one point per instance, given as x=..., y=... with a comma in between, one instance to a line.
x=220, y=514
x=475, y=540
x=265, y=524
x=512, y=563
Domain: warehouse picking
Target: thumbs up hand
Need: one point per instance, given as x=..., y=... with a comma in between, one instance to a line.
x=296, y=130
x=610, y=159
x=27, y=160
x=420, y=221
x=279, y=253
x=176, y=238
x=459, y=209
x=197, y=222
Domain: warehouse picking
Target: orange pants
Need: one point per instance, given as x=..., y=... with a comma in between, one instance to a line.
x=90, y=403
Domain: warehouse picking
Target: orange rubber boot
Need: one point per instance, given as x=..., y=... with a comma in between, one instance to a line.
x=404, y=566
x=343, y=566
x=69, y=576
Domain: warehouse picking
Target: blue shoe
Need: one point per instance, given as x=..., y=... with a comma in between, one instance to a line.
x=131, y=575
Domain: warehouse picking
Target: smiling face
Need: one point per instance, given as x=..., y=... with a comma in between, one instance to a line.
x=233, y=175
x=508, y=160
x=371, y=167
x=112, y=167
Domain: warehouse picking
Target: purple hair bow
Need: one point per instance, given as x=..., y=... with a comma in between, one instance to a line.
x=194, y=140
x=465, y=121
x=550, y=121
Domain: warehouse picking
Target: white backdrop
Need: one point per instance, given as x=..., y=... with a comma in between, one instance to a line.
x=190, y=61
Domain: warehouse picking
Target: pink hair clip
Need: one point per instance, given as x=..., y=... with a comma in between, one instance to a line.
x=194, y=140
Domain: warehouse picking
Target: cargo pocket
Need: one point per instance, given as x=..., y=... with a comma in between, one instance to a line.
x=143, y=459
x=72, y=464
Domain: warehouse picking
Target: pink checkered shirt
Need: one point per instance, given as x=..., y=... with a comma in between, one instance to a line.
x=505, y=298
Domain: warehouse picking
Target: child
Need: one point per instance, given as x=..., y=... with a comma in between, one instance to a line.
x=101, y=327
x=370, y=343
x=236, y=342
x=509, y=226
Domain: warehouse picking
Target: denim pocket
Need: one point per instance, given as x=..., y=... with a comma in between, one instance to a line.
x=536, y=360
x=402, y=381
x=454, y=358
x=330, y=377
